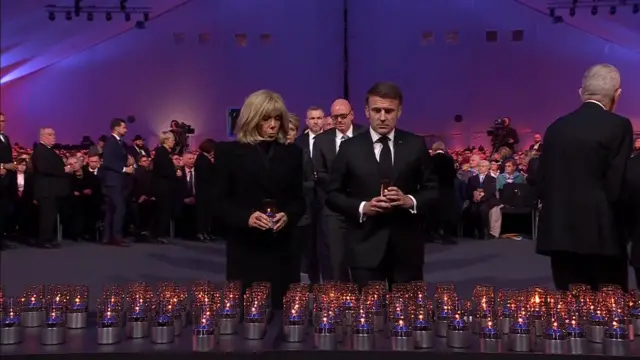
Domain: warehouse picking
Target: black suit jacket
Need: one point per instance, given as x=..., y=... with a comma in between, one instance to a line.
x=324, y=153
x=50, y=180
x=488, y=185
x=114, y=160
x=631, y=208
x=164, y=172
x=303, y=142
x=133, y=151
x=532, y=171
x=355, y=179
x=6, y=157
x=204, y=178
x=532, y=147
x=580, y=180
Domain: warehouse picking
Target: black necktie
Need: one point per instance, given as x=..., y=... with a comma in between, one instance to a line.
x=190, y=183
x=385, y=163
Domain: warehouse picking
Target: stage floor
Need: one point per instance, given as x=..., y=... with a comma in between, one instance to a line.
x=502, y=263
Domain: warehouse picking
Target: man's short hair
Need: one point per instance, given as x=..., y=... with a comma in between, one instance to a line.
x=384, y=90
x=117, y=122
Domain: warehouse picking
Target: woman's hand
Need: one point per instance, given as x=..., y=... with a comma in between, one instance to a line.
x=258, y=220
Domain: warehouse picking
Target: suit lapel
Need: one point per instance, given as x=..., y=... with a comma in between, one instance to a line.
x=400, y=156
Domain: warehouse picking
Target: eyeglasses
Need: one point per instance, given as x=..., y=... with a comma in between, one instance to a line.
x=341, y=116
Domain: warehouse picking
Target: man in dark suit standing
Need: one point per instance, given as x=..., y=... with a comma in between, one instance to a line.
x=332, y=225
x=445, y=208
x=51, y=185
x=581, y=176
x=315, y=122
x=113, y=176
x=632, y=211
x=537, y=143
x=383, y=235
x=6, y=165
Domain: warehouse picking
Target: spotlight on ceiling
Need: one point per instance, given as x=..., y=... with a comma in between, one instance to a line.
x=552, y=12
x=108, y=16
x=594, y=10
x=68, y=15
x=123, y=5
x=127, y=17
x=636, y=8
x=89, y=16
x=52, y=16
x=146, y=16
x=557, y=20
x=612, y=10
x=572, y=11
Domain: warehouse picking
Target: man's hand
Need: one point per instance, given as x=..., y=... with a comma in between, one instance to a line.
x=9, y=166
x=3, y=171
x=397, y=198
x=280, y=220
x=142, y=199
x=260, y=221
x=75, y=193
x=19, y=193
x=87, y=192
x=179, y=173
x=190, y=200
x=68, y=169
x=478, y=195
x=376, y=206
x=129, y=170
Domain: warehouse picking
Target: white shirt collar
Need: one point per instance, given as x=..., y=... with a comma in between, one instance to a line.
x=116, y=136
x=438, y=152
x=375, y=136
x=349, y=133
x=595, y=102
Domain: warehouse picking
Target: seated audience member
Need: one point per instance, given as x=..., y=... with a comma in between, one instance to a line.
x=482, y=198
x=636, y=148
x=494, y=168
x=80, y=224
x=143, y=198
x=186, y=210
x=509, y=176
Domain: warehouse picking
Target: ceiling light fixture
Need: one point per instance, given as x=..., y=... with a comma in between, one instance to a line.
x=78, y=8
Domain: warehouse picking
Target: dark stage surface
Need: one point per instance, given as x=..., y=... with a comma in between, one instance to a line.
x=502, y=263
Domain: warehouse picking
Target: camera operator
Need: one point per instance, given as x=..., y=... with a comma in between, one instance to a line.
x=181, y=132
x=503, y=135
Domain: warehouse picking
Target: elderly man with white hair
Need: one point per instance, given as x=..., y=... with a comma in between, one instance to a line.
x=581, y=178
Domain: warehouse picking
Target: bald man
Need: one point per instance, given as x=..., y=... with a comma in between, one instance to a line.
x=332, y=226
x=581, y=176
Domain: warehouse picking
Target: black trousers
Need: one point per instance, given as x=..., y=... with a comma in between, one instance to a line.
x=204, y=211
x=593, y=270
x=48, y=209
x=305, y=247
x=331, y=246
x=390, y=270
x=479, y=214
x=115, y=209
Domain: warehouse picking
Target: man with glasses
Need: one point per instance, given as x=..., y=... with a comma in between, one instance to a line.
x=332, y=226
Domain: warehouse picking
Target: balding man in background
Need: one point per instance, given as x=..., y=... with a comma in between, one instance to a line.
x=332, y=226
x=51, y=185
x=580, y=180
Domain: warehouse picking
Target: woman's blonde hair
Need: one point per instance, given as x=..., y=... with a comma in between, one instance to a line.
x=294, y=121
x=164, y=136
x=258, y=106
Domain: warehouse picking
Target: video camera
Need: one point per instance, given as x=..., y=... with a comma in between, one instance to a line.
x=184, y=127
x=498, y=127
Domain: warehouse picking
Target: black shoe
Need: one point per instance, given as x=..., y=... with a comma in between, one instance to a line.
x=6, y=246
x=162, y=241
x=202, y=238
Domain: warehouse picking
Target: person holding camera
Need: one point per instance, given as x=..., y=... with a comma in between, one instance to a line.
x=503, y=135
x=181, y=132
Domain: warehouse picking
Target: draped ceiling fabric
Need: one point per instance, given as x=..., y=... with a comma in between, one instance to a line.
x=75, y=75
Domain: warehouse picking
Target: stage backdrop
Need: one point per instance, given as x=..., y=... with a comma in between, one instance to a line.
x=188, y=65
x=438, y=53
x=192, y=64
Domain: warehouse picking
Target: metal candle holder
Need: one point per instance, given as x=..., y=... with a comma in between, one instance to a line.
x=255, y=325
x=481, y=321
x=379, y=319
x=294, y=328
x=577, y=336
x=11, y=332
x=77, y=308
x=109, y=329
x=458, y=334
x=204, y=336
x=363, y=336
x=555, y=341
x=521, y=337
x=163, y=329
x=423, y=334
x=32, y=313
x=137, y=325
x=442, y=323
x=536, y=319
x=54, y=331
x=490, y=339
x=402, y=337
x=227, y=320
x=634, y=317
x=596, y=328
x=616, y=341
x=325, y=337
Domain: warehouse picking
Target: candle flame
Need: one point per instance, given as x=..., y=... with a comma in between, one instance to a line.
x=362, y=321
x=555, y=325
x=420, y=317
x=573, y=323
x=537, y=300
x=520, y=320
x=489, y=324
x=78, y=300
x=324, y=319
x=457, y=316
x=401, y=323
x=33, y=299
x=615, y=324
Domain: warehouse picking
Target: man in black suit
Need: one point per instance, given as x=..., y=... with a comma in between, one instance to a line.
x=581, y=178
x=537, y=143
x=138, y=148
x=632, y=211
x=445, y=208
x=6, y=165
x=51, y=185
x=315, y=122
x=332, y=225
x=383, y=233
x=113, y=176
x=481, y=193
